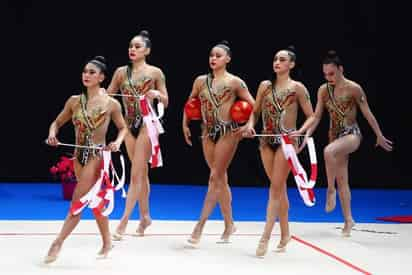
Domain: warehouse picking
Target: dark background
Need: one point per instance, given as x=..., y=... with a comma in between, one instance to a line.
x=47, y=45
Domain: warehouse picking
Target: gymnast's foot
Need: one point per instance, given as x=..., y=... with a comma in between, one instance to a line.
x=262, y=247
x=145, y=222
x=119, y=232
x=194, y=239
x=229, y=230
x=53, y=253
x=281, y=247
x=347, y=228
x=330, y=200
x=105, y=251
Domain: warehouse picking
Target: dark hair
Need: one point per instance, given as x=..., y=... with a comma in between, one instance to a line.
x=146, y=38
x=225, y=45
x=100, y=62
x=291, y=52
x=332, y=58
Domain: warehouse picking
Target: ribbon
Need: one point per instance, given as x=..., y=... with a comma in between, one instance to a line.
x=154, y=129
x=305, y=186
x=100, y=197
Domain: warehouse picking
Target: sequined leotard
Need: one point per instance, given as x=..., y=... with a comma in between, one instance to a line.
x=85, y=124
x=211, y=100
x=338, y=108
x=275, y=106
x=134, y=88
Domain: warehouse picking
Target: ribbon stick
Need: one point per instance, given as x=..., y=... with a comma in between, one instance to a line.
x=273, y=135
x=77, y=146
x=304, y=185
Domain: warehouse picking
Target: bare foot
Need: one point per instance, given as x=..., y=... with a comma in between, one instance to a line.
x=53, y=252
x=104, y=252
x=262, y=247
x=330, y=200
x=347, y=228
x=281, y=247
x=144, y=223
x=119, y=232
x=229, y=230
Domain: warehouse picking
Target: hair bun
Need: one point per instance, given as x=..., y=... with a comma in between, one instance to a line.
x=291, y=48
x=144, y=33
x=331, y=54
x=224, y=42
x=332, y=57
x=100, y=59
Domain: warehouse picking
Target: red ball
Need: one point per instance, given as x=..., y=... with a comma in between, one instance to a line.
x=54, y=170
x=192, y=109
x=241, y=111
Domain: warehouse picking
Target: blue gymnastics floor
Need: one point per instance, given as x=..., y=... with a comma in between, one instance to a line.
x=43, y=201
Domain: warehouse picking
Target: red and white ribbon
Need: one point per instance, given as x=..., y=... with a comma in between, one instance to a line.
x=304, y=185
x=100, y=198
x=154, y=129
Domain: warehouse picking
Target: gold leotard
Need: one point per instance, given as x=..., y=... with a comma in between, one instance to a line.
x=85, y=125
x=211, y=101
x=338, y=108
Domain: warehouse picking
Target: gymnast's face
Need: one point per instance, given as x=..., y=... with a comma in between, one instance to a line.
x=137, y=49
x=92, y=75
x=332, y=72
x=282, y=63
x=218, y=58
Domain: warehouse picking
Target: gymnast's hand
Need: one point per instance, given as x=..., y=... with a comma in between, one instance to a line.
x=187, y=135
x=296, y=134
x=246, y=131
x=385, y=143
x=305, y=141
x=113, y=147
x=153, y=94
x=52, y=140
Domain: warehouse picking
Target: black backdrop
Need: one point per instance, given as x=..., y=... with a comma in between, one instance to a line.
x=48, y=43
